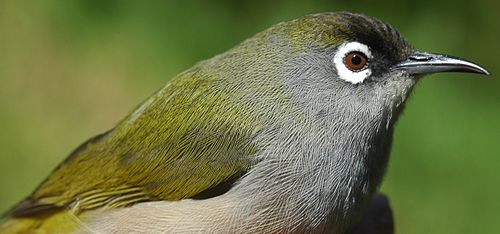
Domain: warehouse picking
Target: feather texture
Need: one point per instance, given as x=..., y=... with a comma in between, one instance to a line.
x=301, y=149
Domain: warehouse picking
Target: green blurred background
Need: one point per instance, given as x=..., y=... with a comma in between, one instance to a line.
x=71, y=69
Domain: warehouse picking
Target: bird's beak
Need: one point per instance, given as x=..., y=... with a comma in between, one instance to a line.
x=421, y=63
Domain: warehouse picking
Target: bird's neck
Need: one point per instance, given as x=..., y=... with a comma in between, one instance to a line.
x=321, y=175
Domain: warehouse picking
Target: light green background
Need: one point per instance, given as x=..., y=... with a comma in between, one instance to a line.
x=71, y=69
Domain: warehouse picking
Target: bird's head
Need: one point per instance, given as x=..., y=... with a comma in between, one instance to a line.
x=355, y=62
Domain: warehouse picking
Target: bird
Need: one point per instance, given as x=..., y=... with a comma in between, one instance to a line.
x=289, y=131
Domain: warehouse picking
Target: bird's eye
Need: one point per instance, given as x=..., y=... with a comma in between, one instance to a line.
x=355, y=60
x=352, y=62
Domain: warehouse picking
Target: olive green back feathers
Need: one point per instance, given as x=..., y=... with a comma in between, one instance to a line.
x=155, y=153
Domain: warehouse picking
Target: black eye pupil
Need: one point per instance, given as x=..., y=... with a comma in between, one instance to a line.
x=356, y=59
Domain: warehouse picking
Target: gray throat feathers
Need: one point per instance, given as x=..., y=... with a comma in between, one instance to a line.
x=319, y=165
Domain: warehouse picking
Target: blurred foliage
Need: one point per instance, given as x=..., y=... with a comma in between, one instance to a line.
x=72, y=69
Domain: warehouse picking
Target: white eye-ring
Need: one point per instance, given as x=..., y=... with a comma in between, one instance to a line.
x=351, y=61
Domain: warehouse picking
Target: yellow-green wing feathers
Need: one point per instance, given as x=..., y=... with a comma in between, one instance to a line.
x=184, y=140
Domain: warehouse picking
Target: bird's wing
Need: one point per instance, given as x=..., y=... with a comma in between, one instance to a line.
x=187, y=141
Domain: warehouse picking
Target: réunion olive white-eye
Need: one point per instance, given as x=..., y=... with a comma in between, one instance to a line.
x=288, y=132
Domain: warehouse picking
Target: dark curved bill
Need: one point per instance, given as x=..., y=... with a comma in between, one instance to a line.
x=421, y=63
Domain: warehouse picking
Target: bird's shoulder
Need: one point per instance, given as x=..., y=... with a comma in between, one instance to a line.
x=186, y=141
